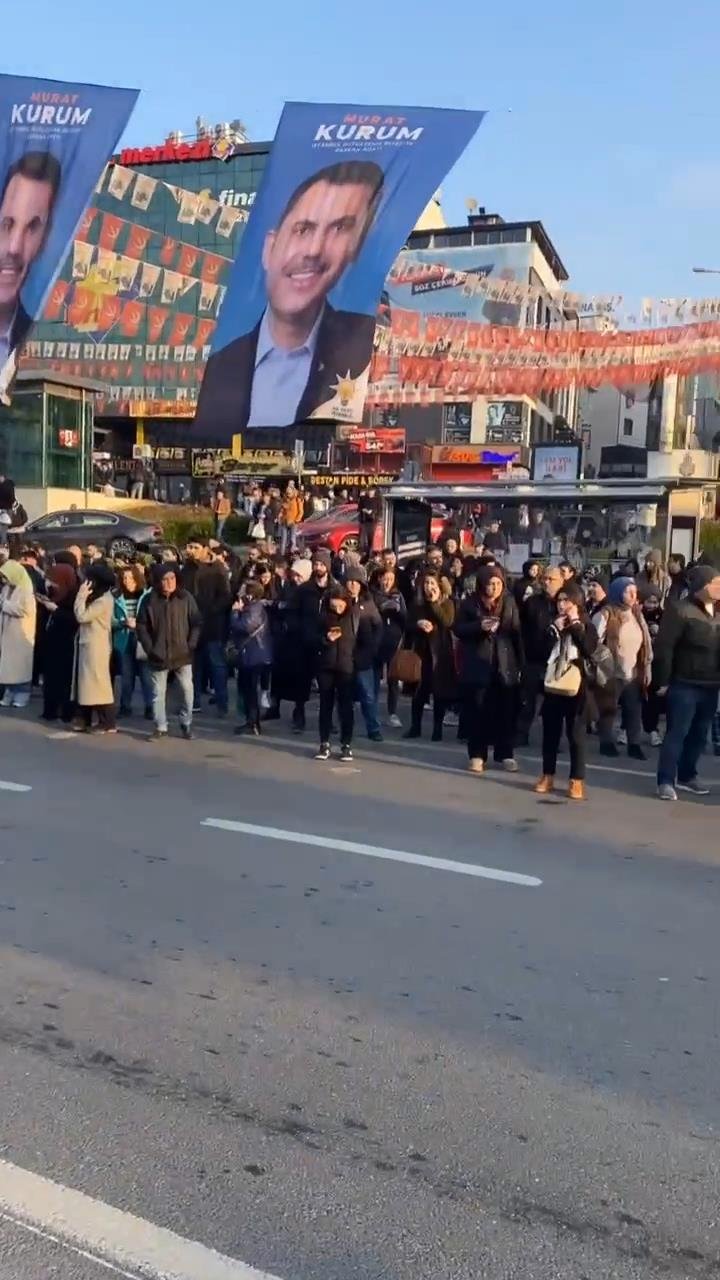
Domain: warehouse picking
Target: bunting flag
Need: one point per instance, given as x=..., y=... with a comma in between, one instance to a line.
x=212, y=267
x=207, y=207
x=143, y=191
x=137, y=241
x=228, y=219
x=82, y=259
x=110, y=229
x=208, y=295
x=171, y=285
x=120, y=179
x=86, y=222
x=148, y=279
x=188, y=201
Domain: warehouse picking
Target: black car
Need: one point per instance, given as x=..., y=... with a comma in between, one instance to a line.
x=111, y=531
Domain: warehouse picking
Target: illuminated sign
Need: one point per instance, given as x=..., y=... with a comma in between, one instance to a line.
x=168, y=153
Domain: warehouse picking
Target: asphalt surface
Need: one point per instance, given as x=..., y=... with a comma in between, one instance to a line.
x=334, y=1066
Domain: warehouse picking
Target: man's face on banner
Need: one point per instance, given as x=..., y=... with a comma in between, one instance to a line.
x=24, y=220
x=305, y=257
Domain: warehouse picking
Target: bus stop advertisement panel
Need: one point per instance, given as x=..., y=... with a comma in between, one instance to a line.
x=588, y=523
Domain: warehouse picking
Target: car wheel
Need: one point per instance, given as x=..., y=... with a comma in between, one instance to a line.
x=120, y=547
x=351, y=543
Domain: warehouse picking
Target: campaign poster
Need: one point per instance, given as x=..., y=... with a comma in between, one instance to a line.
x=444, y=285
x=344, y=186
x=55, y=138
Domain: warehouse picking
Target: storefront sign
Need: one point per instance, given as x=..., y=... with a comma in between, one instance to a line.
x=472, y=455
x=372, y=439
x=349, y=480
x=556, y=461
x=168, y=153
x=215, y=462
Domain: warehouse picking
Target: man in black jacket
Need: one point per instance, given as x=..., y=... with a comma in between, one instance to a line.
x=536, y=615
x=686, y=667
x=168, y=629
x=208, y=581
x=309, y=604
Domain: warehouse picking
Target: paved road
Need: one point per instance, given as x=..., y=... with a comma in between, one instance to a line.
x=337, y=1066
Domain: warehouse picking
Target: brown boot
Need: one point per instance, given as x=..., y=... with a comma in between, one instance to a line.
x=576, y=789
x=545, y=785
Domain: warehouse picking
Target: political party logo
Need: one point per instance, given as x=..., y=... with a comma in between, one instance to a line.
x=55, y=139
x=343, y=187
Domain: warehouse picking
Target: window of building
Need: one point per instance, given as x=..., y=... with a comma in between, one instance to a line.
x=458, y=240
x=627, y=426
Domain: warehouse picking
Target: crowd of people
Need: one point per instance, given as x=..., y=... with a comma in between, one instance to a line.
x=634, y=659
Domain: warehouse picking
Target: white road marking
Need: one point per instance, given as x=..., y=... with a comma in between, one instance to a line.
x=110, y=1236
x=373, y=851
x=72, y=1248
x=14, y=786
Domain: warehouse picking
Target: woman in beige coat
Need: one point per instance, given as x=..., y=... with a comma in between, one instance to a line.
x=92, y=685
x=18, y=616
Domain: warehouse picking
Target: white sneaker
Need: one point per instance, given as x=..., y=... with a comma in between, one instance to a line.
x=655, y=739
x=621, y=738
x=476, y=765
x=21, y=700
x=265, y=702
x=395, y=722
x=510, y=765
x=7, y=699
x=451, y=720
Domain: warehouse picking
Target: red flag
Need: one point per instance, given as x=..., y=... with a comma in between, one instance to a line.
x=182, y=324
x=168, y=251
x=212, y=267
x=80, y=307
x=131, y=319
x=56, y=301
x=188, y=257
x=109, y=313
x=156, y=321
x=202, y=333
x=85, y=224
x=137, y=241
x=110, y=231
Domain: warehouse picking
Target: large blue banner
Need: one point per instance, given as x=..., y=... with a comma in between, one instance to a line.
x=54, y=141
x=343, y=188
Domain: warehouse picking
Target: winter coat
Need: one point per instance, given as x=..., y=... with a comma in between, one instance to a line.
x=536, y=617
x=250, y=629
x=435, y=648
x=291, y=511
x=210, y=585
x=18, y=618
x=608, y=622
x=168, y=628
x=123, y=636
x=92, y=685
x=393, y=615
x=687, y=647
x=486, y=656
x=310, y=601
x=368, y=630
x=337, y=656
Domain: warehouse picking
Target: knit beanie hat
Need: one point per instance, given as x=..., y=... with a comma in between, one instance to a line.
x=302, y=569
x=322, y=556
x=700, y=576
x=617, y=589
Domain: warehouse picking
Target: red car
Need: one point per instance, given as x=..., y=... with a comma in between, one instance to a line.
x=339, y=529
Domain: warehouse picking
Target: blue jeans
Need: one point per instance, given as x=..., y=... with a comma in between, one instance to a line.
x=690, y=709
x=130, y=670
x=184, y=676
x=287, y=538
x=366, y=695
x=210, y=660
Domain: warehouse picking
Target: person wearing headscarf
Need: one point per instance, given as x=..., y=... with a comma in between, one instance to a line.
x=18, y=619
x=61, y=629
x=92, y=685
x=620, y=625
x=429, y=630
x=573, y=639
x=490, y=661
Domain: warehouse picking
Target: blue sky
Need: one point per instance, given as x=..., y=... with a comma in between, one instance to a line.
x=603, y=119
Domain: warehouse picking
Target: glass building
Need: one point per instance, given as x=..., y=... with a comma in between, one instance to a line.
x=46, y=435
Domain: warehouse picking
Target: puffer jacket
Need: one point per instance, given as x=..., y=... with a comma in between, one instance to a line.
x=250, y=629
x=687, y=648
x=168, y=628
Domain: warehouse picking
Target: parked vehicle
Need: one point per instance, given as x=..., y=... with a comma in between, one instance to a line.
x=339, y=529
x=116, y=533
